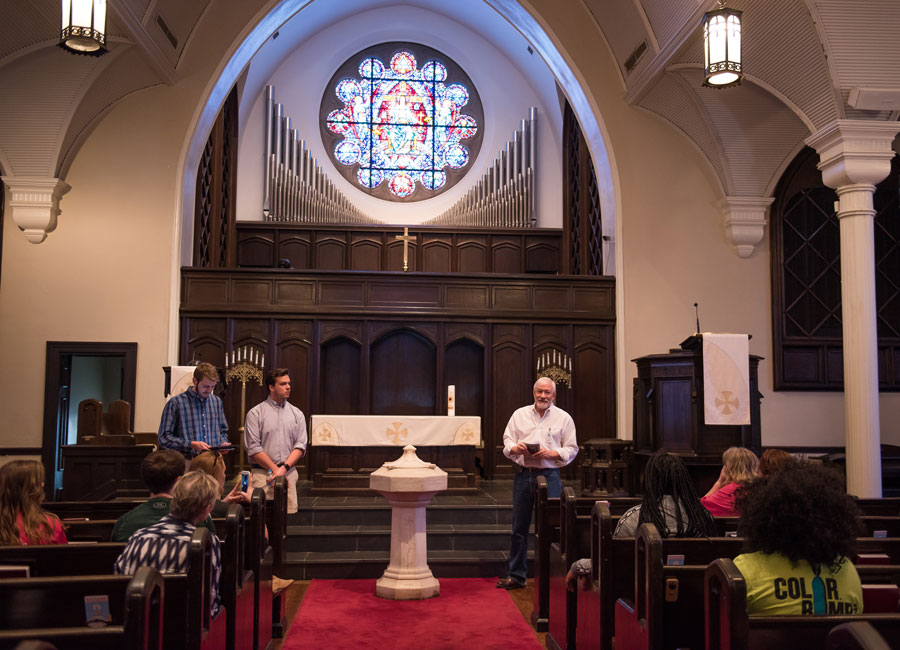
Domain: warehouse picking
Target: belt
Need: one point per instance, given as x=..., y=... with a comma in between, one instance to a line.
x=533, y=470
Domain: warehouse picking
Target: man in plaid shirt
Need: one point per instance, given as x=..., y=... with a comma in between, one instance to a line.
x=194, y=421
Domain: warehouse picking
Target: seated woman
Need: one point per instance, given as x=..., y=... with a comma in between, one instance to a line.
x=22, y=520
x=801, y=527
x=739, y=467
x=670, y=503
x=774, y=460
x=213, y=464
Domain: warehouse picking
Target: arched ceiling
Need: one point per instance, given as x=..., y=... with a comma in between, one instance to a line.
x=808, y=63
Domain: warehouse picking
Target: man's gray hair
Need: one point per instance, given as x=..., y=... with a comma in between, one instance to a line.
x=194, y=492
x=552, y=383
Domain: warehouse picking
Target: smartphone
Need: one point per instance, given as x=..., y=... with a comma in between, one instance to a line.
x=245, y=481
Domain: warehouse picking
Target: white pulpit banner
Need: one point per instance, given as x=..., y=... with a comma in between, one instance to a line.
x=395, y=430
x=726, y=378
x=180, y=379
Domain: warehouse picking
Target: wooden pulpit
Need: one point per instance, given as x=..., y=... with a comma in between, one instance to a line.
x=668, y=412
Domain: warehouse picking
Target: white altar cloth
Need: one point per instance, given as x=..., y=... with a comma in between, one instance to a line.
x=395, y=430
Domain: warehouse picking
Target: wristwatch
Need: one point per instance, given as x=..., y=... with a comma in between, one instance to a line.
x=289, y=467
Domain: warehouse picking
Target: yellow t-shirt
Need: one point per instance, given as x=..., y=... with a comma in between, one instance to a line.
x=775, y=587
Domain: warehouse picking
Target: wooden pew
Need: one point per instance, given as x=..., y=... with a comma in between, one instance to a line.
x=546, y=529
x=92, y=509
x=888, y=524
x=858, y=635
x=730, y=627
x=664, y=611
x=187, y=621
x=883, y=506
x=276, y=520
x=259, y=559
x=237, y=585
x=53, y=610
x=574, y=543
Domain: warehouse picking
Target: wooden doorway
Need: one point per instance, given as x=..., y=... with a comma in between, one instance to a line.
x=77, y=370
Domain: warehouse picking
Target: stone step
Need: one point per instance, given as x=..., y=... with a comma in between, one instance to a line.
x=371, y=564
x=379, y=514
x=441, y=537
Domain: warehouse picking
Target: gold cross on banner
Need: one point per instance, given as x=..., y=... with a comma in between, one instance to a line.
x=406, y=237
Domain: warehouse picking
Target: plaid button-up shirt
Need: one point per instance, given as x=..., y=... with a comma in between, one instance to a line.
x=188, y=417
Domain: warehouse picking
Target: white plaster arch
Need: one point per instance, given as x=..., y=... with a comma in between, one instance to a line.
x=518, y=14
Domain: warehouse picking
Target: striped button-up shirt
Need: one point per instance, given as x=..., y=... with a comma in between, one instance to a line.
x=277, y=429
x=188, y=417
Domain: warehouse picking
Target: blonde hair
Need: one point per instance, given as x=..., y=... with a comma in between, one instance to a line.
x=22, y=493
x=210, y=462
x=740, y=465
x=193, y=494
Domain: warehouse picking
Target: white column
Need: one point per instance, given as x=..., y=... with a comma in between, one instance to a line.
x=853, y=157
x=34, y=204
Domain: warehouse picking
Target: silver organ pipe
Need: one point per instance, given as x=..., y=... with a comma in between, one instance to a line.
x=504, y=197
x=295, y=188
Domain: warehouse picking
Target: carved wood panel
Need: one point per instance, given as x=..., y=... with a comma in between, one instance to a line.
x=403, y=374
x=437, y=252
x=365, y=252
x=340, y=379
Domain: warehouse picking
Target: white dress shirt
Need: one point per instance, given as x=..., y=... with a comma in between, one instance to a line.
x=554, y=430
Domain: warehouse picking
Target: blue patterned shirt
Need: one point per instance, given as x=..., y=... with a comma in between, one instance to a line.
x=164, y=546
x=188, y=417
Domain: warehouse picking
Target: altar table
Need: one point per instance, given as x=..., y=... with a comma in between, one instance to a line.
x=345, y=449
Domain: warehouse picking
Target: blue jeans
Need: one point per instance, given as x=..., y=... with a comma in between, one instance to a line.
x=523, y=507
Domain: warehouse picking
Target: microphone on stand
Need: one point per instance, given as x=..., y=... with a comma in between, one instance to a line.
x=697, y=314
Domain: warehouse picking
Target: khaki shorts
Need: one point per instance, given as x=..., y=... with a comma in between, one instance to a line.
x=258, y=479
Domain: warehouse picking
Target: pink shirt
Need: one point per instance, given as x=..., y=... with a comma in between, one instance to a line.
x=58, y=536
x=721, y=503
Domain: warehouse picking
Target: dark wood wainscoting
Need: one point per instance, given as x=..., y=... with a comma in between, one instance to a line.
x=385, y=342
x=433, y=250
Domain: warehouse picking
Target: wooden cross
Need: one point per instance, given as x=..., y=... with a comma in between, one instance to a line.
x=406, y=237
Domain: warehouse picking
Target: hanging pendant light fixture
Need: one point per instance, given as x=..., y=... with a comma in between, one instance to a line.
x=84, y=27
x=722, y=47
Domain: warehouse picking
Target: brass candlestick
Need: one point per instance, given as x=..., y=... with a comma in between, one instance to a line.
x=244, y=364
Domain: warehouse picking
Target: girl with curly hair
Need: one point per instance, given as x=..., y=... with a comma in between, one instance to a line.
x=800, y=527
x=739, y=467
x=22, y=520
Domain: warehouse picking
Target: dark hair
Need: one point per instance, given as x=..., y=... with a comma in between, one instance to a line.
x=160, y=469
x=666, y=474
x=804, y=514
x=274, y=374
x=774, y=460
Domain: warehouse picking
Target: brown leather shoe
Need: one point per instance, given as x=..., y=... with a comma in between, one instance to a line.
x=509, y=583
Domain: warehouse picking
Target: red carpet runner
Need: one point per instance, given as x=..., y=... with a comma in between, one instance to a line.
x=470, y=612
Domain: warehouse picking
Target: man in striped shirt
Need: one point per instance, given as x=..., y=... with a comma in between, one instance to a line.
x=194, y=421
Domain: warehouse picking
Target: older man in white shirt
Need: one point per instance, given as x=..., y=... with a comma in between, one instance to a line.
x=275, y=437
x=539, y=439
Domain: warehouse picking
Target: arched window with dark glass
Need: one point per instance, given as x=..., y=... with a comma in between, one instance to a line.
x=806, y=280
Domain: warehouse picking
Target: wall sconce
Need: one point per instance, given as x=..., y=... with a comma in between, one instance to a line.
x=722, y=47
x=84, y=27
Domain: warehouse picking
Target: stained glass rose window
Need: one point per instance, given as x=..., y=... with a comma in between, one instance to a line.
x=401, y=121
